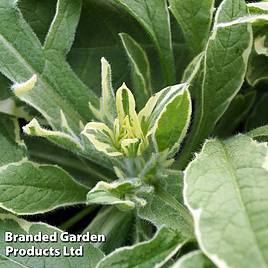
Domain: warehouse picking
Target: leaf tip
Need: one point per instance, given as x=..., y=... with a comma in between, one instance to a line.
x=21, y=88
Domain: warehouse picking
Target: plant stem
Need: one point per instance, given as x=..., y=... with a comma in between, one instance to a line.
x=77, y=217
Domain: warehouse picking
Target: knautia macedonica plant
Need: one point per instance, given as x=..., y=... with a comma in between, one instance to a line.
x=134, y=133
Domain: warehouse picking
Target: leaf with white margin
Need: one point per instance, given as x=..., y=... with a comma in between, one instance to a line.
x=100, y=136
x=62, y=139
x=30, y=188
x=192, y=68
x=221, y=73
x=153, y=253
x=257, y=69
x=259, y=133
x=107, y=111
x=153, y=15
x=141, y=73
x=260, y=45
x=10, y=107
x=57, y=86
x=195, y=19
x=15, y=225
x=154, y=107
x=225, y=188
x=114, y=193
x=126, y=108
x=61, y=34
x=194, y=259
x=176, y=113
x=259, y=7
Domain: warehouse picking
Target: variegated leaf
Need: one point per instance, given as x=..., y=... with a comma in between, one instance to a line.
x=113, y=193
x=101, y=137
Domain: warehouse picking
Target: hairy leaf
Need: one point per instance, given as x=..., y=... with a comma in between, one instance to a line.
x=114, y=193
x=29, y=188
x=12, y=148
x=154, y=17
x=141, y=74
x=116, y=230
x=152, y=253
x=19, y=226
x=222, y=72
x=57, y=86
x=176, y=113
x=259, y=133
x=164, y=206
x=195, y=19
x=62, y=30
x=227, y=199
x=195, y=259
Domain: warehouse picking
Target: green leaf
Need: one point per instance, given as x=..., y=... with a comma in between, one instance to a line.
x=126, y=105
x=227, y=198
x=18, y=226
x=164, y=206
x=107, y=111
x=57, y=86
x=115, y=193
x=6, y=262
x=195, y=18
x=10, y=107
x=176, y=113
x=100, y=39
x=155, y=106
x=62, y=30
x=4, y=88
x=84, y=171
x=257, y=69
x=39, y=15
x=195, y=259
x=193, y=68
x=236, y=113
x=259, y=133
x=12, y=148
x=141, y=74
x=114, y=224
x=153, y=253
x=260, y=45
x=258, y=8
x=221, y=74
x=62, y=139
x=153, y=15
x=100, y=135
x=29, y=188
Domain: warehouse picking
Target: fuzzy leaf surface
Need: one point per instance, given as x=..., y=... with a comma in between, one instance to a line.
x=57, y=86
x=195, y=18
x=194, y=259
x=221, y=73
x=152, y=253
x=141, y=74
x=19, y=226
x=228, y=201
x=153, y=15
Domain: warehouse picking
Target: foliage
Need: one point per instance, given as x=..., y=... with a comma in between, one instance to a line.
x=131, y=110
